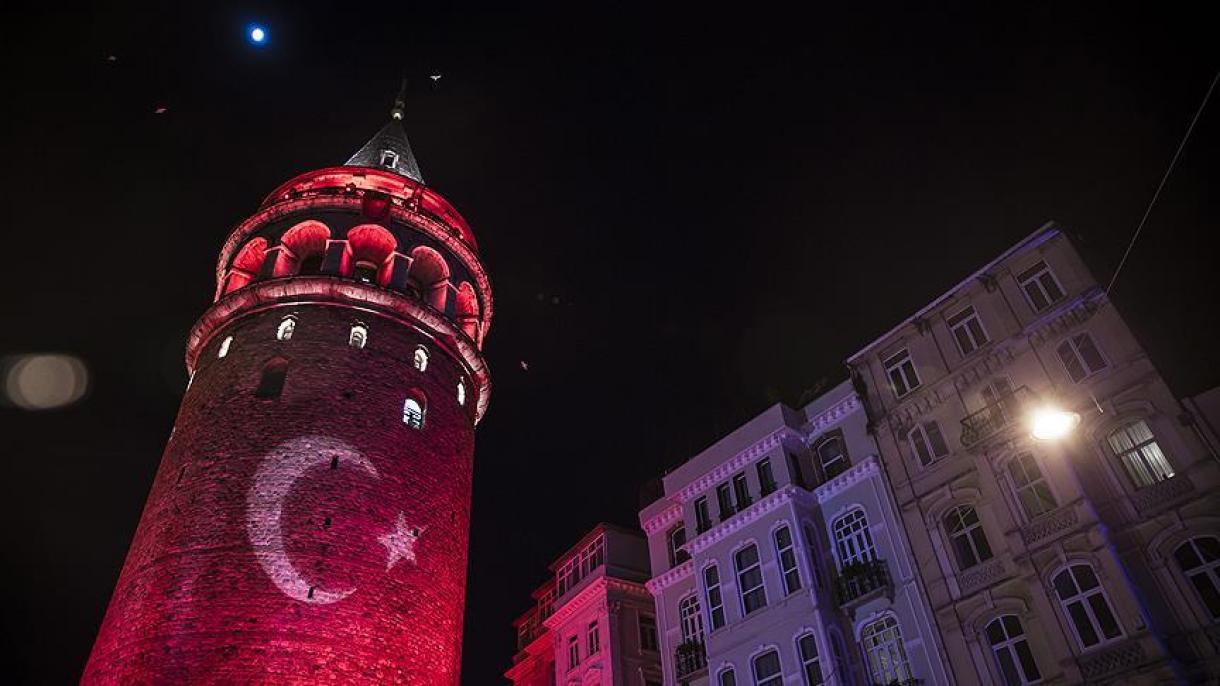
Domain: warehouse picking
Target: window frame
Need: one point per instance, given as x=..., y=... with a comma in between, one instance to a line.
x=806, y=661
x=961, y=530
x=1011, y=645
x=690, y=621
x=894, y=366
x=775, y=678
x=648, y=629
x=1032, y=275
x=1073, y=345
x=286, y=328
x=1030, y=485
x=414, y=417
x=922, y=432
x=419, y=358
x=1087, y=606
x=959, y=325
x=744, y=593
x=785, y=556
x=714, y=593
x=863, y=548
x=703, y=515
x=593, y=639
x=573, y=652
x=766, y=477
x=360, y=333
x=728, y=672
x=890, y=642
x=1205, y=569
x=673, y=546
x=1137, y=450
x=741, y=491
x=832, y=438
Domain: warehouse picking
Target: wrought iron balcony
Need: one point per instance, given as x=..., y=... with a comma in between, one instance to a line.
x=689, y=657
x=1007, y=410
x=859, y=579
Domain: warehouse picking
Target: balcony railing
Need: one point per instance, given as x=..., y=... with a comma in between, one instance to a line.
x=689, y=657
x=859, y=579
x=1007, y=410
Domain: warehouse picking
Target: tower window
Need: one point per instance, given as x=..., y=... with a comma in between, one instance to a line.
x=421, y=358
x=413, y=413
x=365, y=271
x=287, y=326
x=461, y=393
x=224, y=347
x=271, y=384
x=358, y=336
x=389, y=159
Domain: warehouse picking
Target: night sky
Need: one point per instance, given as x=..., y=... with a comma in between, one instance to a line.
x=686, y=218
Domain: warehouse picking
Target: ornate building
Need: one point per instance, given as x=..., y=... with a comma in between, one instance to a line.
x=309, y=518
x=592, y=623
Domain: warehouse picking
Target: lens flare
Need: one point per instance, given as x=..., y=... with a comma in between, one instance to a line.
x=258, y=34
x=44, y=382
x=1052, y=423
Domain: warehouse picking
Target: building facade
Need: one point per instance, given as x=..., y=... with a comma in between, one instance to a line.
x=309, y=519
x=592, y=623
x=1089, y=558
x=779, y=549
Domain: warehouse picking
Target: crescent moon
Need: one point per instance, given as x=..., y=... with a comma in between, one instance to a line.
x=277, y=474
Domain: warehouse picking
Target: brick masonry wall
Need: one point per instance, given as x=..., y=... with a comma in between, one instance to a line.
x=193, y=604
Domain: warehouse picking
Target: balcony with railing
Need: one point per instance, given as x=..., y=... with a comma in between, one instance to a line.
x=858, y=581
x=689, y=659
x=1007, y=411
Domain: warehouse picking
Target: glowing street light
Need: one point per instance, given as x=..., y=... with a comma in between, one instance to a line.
x=1051, y=423
x=258, y=34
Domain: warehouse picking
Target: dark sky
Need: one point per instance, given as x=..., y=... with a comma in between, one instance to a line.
x=686, y=218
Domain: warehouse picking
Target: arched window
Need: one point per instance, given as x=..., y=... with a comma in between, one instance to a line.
x=358, y=336
x=833, y=457
x=675, y=539
x=750, y=579
x=286, y=328
x=785, y=552
x=466, y=310
x=1031, y=487
x=246, y=265
x=715, y=603
x=927, y=442
x=271, y=383
x=1013, y=656
x=302, y=249
x=421, y=358
x=766, y=669
x=461, y=393
x=1136, y=447
x=224, y=347
x=413, y=412
x=727, y=677
x=967, y=536
x=369, y=249
x=884, y=651
x=690, y=619
x=807, y=651
x=428, y=276
x=1085, y=603
x=853, y=541
x=1199, y=559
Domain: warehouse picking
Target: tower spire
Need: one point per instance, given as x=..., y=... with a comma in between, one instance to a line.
x=389, y=148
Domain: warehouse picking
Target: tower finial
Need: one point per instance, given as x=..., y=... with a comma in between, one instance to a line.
x=400, y=102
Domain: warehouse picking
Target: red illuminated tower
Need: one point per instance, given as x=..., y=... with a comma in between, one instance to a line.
x=309, y=519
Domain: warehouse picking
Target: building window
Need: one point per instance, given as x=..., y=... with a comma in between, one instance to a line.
x=690, y=619
x=785, y=551
x=741, y=489
x=927, y=442
x=581, y=565
x=358, y=336
x=884, y=651
x=573, y=651
x=1085, y=604
x=1080, y=357
x=287, y=326
x=715, y=603
x=421, y=358
x=967, y=331
x=703, y=518
x=750, y=579
x=389, y=159
x=271, y=383
x=1136, y=447
x=901, y=372
x=224, y=347
x=724, y=501
x=648, y=632
x=676, y=538
x=728, y=677
x=766, y=480
x=766, y=669
x=1032, y=489
x=365, y=272
x=461, y=393
x=593, y=640
x=967, y=536
x=1040, y=287
x=807, y=651
x=853, y=541
x=1011, y=650
x=833, y=457
x=1199, y=559
x=413, y=413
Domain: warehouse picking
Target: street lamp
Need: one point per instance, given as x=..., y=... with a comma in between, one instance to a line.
x=1050, y=423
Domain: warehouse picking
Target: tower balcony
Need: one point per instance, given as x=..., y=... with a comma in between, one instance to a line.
x=1008, y=411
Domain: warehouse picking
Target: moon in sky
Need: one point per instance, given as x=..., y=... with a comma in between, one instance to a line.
x=280, y=470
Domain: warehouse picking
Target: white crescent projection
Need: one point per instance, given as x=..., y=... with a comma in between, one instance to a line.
x=277, y=474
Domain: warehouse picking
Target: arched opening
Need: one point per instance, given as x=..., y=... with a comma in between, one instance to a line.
x=413, y=409
x=358, y=336
x=303, y=247
x=246, y=265
x=271, y=383
x=466, y=310
x=369, y=249
x=428, y=276
x=421, y=358
x=288, y=326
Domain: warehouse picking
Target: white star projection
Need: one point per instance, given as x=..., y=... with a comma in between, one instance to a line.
x=277, y=474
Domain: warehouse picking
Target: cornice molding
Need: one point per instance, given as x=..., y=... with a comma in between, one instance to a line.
x=866, y=468
x=836, y=413
x=663, y=519
x=733, y=465
x=597, y=591
x=742, y=519
x=658, y=584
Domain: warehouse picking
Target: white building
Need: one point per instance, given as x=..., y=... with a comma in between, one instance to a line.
x=778, y=557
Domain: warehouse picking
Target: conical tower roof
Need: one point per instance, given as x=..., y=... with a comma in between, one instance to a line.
x=389, y=148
